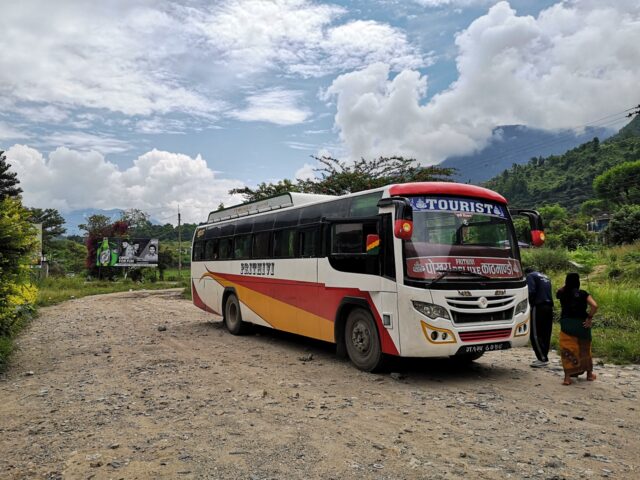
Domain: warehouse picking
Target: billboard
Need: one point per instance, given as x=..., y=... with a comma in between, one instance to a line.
x=127, y=252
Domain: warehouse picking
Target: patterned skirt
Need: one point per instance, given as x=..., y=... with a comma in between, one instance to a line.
x=576, y=354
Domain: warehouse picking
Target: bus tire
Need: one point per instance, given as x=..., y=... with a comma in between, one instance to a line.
x=362, y=341
x=233, y=316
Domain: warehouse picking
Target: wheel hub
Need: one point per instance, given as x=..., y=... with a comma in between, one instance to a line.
x=361, y=338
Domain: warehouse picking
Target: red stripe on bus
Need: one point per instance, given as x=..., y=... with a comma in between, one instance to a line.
x=315, y=298
x=445, y=188
x=198, y=302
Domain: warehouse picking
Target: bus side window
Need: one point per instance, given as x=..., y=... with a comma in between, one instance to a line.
x=261, y=244
x=242, y=245
x=347, y=238
x=210, y=249
x=224, y=248
x=198, y=250
x=284, y=243
x=309, y=242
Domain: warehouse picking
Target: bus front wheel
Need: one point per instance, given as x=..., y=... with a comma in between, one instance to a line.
x=233, y=317
x=362, y=341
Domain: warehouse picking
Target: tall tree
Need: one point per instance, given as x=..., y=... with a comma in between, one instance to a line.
x=338, y=177
x=52, y=223
x=8, y=180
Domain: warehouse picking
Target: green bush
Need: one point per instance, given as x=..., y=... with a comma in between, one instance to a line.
x=624, y=226
x=546, y=259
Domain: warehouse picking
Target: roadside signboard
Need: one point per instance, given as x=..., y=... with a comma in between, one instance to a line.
x=128, y=252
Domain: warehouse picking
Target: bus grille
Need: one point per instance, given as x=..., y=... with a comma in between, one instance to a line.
x=485, y=335
x=471, y=303
x=482, y=316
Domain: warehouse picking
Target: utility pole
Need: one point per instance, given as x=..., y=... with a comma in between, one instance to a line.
x=179, y=245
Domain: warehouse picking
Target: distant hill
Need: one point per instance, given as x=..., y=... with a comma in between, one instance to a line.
x=516, y=144
x=567, y=179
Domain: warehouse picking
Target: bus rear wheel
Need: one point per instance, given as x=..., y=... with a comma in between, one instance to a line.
x=233, y=316
x=362, y=341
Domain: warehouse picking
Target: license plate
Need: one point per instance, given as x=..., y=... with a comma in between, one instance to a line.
x=486, y=347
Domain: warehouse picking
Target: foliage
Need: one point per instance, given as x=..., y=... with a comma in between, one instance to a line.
x=17, y=243
x=620, y=184
x=584, y=259
x=52, y=224
x=339, y=178
x=66, y=256
x=624, y=226
x=136, y=219
x=563, y=230
x=566, y=180
x=545, y=259
x=8, y=180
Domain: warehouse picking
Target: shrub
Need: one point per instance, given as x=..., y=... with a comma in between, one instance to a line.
x=546, y=259
x=625, y=225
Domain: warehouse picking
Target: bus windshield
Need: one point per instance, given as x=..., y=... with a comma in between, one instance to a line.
x=456, y=234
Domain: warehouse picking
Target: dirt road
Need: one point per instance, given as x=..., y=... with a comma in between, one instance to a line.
x=98, y=390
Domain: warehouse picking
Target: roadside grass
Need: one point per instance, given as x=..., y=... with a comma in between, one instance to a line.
x=54, y=290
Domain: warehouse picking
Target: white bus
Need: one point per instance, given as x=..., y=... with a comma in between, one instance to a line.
x=425, y=269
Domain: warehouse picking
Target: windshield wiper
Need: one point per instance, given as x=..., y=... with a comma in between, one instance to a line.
x=447, y=271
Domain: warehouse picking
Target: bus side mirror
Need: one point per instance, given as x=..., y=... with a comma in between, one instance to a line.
x=403, y=224
x=373, y=244
x=535, y=224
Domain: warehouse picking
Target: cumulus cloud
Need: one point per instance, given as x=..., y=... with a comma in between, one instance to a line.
x=274, y=106
x=141, y=58
x=574, y=63
x=158, y=180
x=306, y=172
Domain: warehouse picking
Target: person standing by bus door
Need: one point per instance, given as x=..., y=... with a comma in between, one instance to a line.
x=541, y=302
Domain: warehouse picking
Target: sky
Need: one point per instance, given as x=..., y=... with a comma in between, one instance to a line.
x=160, y=105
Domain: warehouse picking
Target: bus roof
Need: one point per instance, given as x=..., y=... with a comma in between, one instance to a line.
x=276, y=202
x=445, y=188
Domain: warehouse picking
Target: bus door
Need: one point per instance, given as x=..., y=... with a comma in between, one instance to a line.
x=361, y=256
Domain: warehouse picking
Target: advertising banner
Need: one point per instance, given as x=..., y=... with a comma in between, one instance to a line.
x=126, y=252
x=432, y=267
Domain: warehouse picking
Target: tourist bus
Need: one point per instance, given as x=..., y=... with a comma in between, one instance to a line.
x=426, y=269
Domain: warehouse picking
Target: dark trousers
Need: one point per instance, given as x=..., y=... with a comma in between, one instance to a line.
x=541, y=325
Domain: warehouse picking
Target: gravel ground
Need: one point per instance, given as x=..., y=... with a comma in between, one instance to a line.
x=142, y=385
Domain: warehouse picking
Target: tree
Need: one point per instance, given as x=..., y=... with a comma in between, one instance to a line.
x=17, y=242
x=137, y=220
x=620, y=184
x=8, y=180
x=52, y=224
x=624, y=226
x=338, y=177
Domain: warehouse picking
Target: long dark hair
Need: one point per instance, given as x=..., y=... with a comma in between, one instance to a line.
x=572, y=282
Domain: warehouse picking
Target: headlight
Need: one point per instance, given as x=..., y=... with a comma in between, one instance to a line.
x=430, y=310
x=522, y=306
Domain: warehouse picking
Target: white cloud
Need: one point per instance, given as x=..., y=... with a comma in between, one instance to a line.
x=87, y=142
x=453, y=3
x=154, y=58
x=306, y=172
x=298, y=36
x=274, y=106
x=574, y=63
x=8, y=132
x=70, y=179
